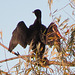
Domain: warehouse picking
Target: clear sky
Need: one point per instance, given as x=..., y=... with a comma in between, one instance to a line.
x=13, y=11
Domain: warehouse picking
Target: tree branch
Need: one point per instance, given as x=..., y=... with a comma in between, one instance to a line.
x=4, y=73
x=6, y=48
x=34, y=62
x=61, y=63
x=19, y=56
x=25, y=58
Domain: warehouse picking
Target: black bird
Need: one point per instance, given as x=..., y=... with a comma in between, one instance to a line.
x=38, y=33
x=35, y=31
x=23, y=35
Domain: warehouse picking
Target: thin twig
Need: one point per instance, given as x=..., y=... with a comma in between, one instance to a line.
x=63, y=7
x=69, y=16
x=23, y=56
x=19, y=56
x=7, y=48
x=4, y=73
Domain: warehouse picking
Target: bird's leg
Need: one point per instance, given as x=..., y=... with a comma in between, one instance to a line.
x=17, y=53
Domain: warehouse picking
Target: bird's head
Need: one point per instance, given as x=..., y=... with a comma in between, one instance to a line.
x=37, y=13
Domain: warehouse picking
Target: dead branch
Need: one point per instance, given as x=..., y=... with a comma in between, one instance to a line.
x=61, y=63
x=6, y=48
x=25, y=58
x=4, y=73
x=34, y=62
x=19, y=56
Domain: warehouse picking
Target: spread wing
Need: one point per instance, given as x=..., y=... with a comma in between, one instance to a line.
x=19, y=36
x=53, y=36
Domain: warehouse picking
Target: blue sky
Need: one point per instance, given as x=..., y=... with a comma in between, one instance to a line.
x=13, y=11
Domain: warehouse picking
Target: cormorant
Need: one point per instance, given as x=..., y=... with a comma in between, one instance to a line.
x=23, y=35
x=38, y=33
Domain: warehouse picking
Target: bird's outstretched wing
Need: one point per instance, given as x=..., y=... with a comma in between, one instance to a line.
x=19, y=36
x=53, y=36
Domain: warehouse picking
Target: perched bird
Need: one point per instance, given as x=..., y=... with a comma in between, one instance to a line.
x=38, y=33
x=35, y=31
x=23, y=35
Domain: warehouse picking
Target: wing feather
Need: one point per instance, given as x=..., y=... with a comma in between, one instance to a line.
x=19, y=36
x=52, y=37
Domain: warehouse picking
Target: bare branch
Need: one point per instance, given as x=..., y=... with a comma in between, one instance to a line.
x=42, y=64
x=23, y=56
x=19, y=56
x=4, y=73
